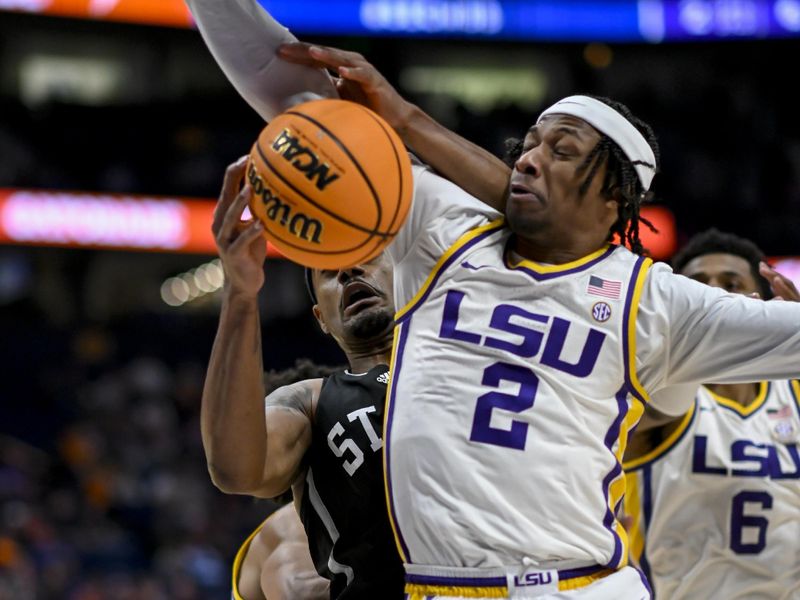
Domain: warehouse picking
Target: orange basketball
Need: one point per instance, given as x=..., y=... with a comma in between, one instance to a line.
x=331, y=182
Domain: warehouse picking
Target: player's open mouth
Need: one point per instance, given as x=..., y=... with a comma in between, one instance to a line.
x=357, y=296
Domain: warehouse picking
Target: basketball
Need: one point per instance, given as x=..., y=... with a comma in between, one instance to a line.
x=331, y=183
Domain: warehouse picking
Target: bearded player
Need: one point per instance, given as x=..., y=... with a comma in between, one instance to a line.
x=321, y=437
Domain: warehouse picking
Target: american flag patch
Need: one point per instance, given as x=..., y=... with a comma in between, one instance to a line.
x=782, y=413
x=604, y=287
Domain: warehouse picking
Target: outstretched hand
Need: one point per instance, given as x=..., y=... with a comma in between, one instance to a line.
x=241, y=246
x=358, y=80
x=782, y=286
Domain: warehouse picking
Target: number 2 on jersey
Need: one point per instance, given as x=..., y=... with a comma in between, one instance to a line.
x=482, y=430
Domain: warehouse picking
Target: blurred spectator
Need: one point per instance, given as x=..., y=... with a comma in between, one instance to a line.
x=123, y=507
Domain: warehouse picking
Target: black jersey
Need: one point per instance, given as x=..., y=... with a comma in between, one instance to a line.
x=344, y=504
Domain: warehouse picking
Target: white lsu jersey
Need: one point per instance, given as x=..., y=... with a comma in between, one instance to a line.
x=510, y=405
x=514, y=387
x=716, y=506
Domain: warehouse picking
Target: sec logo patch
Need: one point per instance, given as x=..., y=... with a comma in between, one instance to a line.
x=601, y=312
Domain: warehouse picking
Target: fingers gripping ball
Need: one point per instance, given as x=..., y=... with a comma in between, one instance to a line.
x=331, y=183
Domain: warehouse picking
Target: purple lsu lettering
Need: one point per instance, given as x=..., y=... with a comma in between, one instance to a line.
x=750, y=459
x=531, y=579
x=529, y=340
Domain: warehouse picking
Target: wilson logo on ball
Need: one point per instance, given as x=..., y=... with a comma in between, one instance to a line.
x=304, y=160
x=331, y=183
x=280, y=212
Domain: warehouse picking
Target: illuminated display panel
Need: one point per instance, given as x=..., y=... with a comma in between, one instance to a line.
x=162, y=224
x=110, y=221
x=156, y=12
x=580, y=20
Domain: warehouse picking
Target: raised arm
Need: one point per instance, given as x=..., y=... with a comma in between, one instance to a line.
x=246, y=453
x=470, y=167
x=689, y=333
x=246, y=41
x=243, y=38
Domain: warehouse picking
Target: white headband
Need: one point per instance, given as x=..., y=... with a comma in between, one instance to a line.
x=608, y=121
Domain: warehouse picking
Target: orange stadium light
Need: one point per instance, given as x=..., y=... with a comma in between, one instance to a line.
x=109, y=221
x=172, y=13
x=663, y=244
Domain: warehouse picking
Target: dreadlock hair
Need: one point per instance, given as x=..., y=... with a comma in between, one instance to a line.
x=620, y=176
x=713, y=241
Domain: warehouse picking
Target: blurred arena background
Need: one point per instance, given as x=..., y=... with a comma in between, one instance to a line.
x=115, y=129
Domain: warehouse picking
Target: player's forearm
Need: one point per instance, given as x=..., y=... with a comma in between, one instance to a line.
x=243, y=38
x=232, y=413
x=470, y=167
x=763, y=344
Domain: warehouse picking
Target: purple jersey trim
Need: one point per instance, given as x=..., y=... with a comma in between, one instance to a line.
x=563, y=575
x=626, y=344
x=546, y=276
x=440, y=269
x=402, y=332
x=674, y=444
x=611, y=437
x=647, y=510
x=645, y=582
x=456, y=581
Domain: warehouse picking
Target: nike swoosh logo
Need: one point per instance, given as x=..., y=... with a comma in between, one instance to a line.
x=466, y=265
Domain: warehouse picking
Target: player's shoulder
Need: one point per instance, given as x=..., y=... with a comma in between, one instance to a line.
x=300, y=395
x=283, y=524
x=662, y=286
x=302, y=387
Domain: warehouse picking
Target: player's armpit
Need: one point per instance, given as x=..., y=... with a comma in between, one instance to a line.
x=651, y=430
x=653, y=418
